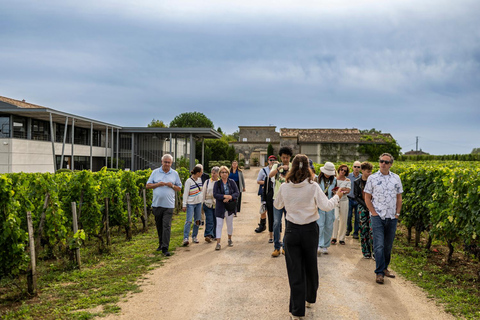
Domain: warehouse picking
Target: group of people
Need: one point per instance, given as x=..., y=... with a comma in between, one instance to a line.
x=317, y=211
x=318, y=214
x=218, y=195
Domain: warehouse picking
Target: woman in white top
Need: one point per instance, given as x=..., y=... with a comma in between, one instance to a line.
x=302, y=198
x=341, y=211
x=209, y=206
x=192, y=204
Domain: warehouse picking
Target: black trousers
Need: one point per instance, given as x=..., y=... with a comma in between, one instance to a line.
x=163, y=221
x=269, y=205
x=301, y=243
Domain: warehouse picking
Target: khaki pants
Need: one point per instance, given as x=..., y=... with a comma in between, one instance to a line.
x=340, y=222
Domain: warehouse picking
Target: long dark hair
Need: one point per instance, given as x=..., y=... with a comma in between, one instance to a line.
x=321, y=177
x=238, y=167
x=300, y=170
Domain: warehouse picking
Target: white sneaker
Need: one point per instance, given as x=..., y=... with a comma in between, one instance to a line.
x=185, y=242
x=325, y=250
x=319, y=251
x=195, y=240
x=308, y=304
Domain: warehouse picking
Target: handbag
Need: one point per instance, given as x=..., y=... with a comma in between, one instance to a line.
x=231, y=205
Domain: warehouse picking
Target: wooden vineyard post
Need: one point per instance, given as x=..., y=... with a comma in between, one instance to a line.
x=32, y=274
x=129, y=208
x=145, y=227
x=107, y=223
x=75, y=229
x=42, y=222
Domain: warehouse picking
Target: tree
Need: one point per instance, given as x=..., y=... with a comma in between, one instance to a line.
x=157, y=124
x=270, y=150
x=191, y=120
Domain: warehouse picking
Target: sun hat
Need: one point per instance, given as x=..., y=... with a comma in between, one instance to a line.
x=328, y=168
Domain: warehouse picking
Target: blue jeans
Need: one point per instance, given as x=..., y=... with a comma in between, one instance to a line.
x=193, y=211
x=353, y=209
x=277, y=225
x=383, y=236
x=325, y=227
x=210, y=221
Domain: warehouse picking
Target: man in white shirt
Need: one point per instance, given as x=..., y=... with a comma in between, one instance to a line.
x=383, y=197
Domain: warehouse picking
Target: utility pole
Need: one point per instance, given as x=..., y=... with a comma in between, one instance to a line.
x=416, y=149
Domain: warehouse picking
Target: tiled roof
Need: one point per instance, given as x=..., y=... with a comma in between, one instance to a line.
x=20, y=104
x=327, y=135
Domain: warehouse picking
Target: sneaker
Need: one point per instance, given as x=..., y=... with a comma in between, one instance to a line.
x=325, y=250
x=355, y=236
x=159, y=248
x=208, y=239
x=367, y=257
x=379, y=279
x=308, y=304
x=230, y=243
x=270, y=240
x=166, y=253
x=347, y=234
x=342, y=242
x=195, y=240
x=319, y=251
x=185, y=242
x=218, y=247
x=388, y=273
x=296, y=317
x=276, y=253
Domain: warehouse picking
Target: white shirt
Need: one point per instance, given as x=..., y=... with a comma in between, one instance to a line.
x=302, y=201
x=384, y=190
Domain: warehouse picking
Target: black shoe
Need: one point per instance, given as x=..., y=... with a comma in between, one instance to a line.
x=347, y=234
x=261, y=228
x=355, y=236
x=165, y=252
x=159, y=248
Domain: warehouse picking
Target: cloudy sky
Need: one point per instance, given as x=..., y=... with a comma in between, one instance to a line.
x=409, y=68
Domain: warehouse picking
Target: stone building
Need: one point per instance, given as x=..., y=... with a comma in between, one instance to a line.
x=320, y=145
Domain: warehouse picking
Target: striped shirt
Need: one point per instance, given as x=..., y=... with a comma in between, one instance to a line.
x=192, y=193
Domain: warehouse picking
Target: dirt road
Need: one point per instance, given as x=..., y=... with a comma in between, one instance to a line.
x=245, y=282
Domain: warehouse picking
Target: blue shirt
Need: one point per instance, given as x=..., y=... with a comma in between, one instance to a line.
x=164, y=196
x=234, y=176
x=352, y=178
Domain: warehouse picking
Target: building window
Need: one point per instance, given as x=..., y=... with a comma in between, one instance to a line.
x=244, y=139
x=82, y=136
x=19, y=127
x=40, y=130
x=59, y=132
x=4, y=127
x=268, y=139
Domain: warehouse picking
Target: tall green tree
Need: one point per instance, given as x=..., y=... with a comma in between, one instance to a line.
x=269, y=150
x=191, y=120
x=157, y=124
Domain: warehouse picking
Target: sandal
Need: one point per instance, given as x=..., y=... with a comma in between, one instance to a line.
x=334, y=241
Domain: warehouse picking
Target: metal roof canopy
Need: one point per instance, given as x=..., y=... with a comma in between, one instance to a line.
x=57, y=116
x=202, y=133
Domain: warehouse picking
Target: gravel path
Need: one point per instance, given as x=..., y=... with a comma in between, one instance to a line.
x=245, y=282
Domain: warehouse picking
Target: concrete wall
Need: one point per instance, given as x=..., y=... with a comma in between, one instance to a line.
x=18, y=155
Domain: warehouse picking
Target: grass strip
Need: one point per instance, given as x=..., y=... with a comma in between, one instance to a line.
x=455, y=286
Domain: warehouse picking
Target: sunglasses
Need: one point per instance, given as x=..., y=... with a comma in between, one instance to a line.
x=385, y=161
x=224, y=172
x=356, y=166
x=344, y=170
x=271, y=160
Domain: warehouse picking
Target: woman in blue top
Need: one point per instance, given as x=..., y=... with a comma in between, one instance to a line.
x=237, y=175
x=327, y=182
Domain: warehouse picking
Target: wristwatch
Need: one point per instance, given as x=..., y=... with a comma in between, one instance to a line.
x=397, y=214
